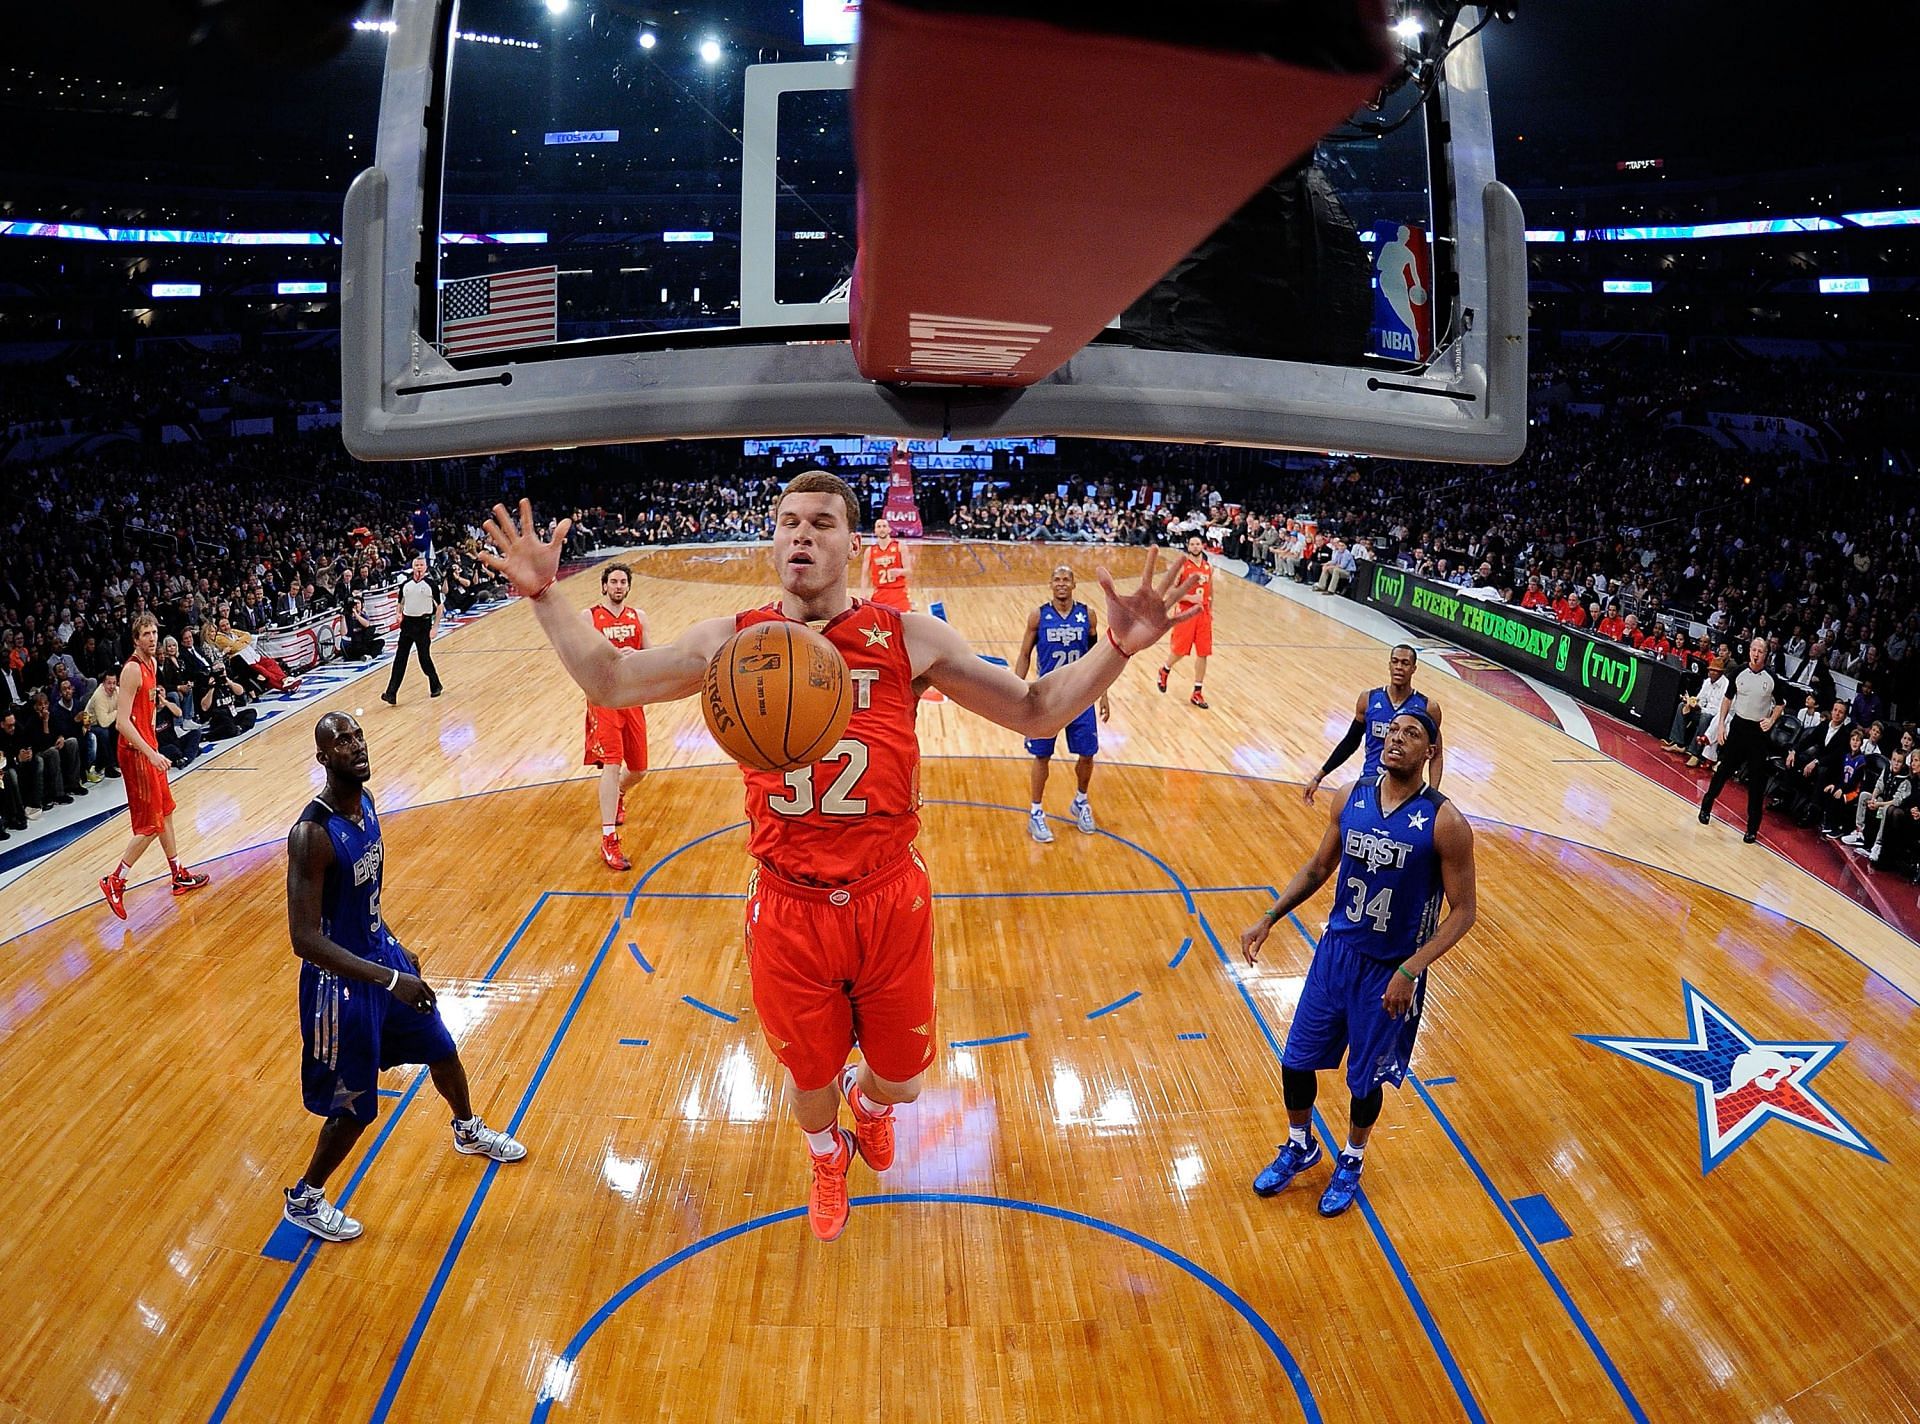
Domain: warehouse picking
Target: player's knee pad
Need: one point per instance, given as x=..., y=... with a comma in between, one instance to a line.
x=1298, y=1087
x=1366, y=1111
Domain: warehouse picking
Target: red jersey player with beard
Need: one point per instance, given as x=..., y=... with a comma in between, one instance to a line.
x=839, y=922
x=616, y=736
x=143, y=768
x=887, y=569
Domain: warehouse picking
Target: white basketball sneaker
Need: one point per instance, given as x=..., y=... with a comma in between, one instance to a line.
x=1083, y=816
x=309, y=1209
x=1038, y=828
x=475, y=1138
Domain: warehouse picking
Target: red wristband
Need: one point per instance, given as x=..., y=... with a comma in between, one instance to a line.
x=1116, y=645
x=542, y=590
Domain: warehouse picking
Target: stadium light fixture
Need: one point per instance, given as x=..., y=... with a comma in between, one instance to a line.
x=648, y=39
x=1407, y=28
x=558, y=7
x=710, y=51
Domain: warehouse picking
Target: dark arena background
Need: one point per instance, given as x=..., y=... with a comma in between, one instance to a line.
x=1559, y=368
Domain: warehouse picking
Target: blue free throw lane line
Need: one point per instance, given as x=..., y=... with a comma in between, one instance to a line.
x=987, y=1042
x=709, y=1009
x=633, y=1043
x=412, y=1342
x=1119, y=1003
x=1543, y=1223
x=634, y=950
x=1185, y=945
x=1303, y=1392
x=1440, y=1082
x=1412, y=1292
x=1513, y=1220
x=1188, y=1037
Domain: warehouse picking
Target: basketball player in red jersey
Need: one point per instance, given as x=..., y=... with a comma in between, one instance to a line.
x=616, y=736
x=143, y=769
x=839, y=922
x=887, y=569
x=1196, y=634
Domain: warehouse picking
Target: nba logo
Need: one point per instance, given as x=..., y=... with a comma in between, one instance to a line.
x=1403, y=295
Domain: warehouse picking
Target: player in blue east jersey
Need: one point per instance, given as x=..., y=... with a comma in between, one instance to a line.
x=1375, y=710
x=363, y=1004
x=1400, y=848
x=1059, y=632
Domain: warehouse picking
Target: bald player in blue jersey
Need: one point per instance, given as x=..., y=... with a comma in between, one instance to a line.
x=1374, y=710
x=1401, y=849
x=363, y=1004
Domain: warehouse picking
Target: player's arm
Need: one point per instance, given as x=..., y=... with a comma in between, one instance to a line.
x=1453, y=840
x=1028, y=642
x=128, y=728
x=309, y=854
x=1437, y=763
x=609, y=677
x=1093, y=636
x=1356, y=733
x=1306, y=880
x=1135, y=621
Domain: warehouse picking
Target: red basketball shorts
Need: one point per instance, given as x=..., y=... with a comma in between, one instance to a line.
x=836, y=967
x=1194, y=636
x=149, y=798
x=892, y=595
x=617, y=735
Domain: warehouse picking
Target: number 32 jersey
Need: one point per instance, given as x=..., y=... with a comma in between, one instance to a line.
x=1387, y=899
x=857, y=809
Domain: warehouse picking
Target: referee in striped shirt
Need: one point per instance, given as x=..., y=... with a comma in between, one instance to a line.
x=420, y=604
x=1740, y=730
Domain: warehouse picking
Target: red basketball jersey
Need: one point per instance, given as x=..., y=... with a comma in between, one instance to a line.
x=138, y=701
x=887, y=567
x=857, y=809
x=622, y=629
x=1202, y=595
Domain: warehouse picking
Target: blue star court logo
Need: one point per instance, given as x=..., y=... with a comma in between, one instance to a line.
x=1740, y=1081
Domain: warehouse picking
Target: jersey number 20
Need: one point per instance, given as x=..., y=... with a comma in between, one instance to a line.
x=837, y=802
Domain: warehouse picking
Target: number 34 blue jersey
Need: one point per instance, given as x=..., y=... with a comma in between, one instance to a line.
x=1388, y=891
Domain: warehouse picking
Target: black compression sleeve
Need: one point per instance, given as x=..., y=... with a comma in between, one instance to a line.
x=1349, y=744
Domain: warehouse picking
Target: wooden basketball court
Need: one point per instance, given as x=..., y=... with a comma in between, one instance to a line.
x=1069, y=1232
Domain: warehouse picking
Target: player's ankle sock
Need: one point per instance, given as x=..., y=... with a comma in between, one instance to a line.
x=1079, y=798
x=866, y=1106
x=1356, y=1150
x=1037, y=808
x=179, y=870
x=607, y=828
x=121, y=872
x=821, y=1144
x=1299, y=1136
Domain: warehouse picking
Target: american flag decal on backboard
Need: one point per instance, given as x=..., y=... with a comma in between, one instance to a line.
x=499, y=311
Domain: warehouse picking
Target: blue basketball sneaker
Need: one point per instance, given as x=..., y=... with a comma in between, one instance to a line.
x=1291, y=1162
x=1343, y=1187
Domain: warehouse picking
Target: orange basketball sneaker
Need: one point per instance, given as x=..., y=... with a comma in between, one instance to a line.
x=827, y=1208
x=872, y=1131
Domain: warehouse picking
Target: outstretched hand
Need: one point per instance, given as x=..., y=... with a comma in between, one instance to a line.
x=528, y=562
x=1141, y=618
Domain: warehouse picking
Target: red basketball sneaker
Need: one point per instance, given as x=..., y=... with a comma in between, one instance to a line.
x=188, y=881
x=611, y=853
x=827, y=1208
x=872, y=1131
x=115, y=889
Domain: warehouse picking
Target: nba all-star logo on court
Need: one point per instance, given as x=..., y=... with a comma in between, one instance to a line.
x=1740, y=1081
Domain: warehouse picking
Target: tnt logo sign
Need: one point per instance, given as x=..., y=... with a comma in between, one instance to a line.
x=1403, y=295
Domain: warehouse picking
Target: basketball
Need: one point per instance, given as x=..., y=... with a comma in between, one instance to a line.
x=777, y=696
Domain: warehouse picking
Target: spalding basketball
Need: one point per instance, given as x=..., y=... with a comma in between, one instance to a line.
x=777, y=697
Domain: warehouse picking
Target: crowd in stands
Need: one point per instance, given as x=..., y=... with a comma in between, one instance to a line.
x=1626, y=519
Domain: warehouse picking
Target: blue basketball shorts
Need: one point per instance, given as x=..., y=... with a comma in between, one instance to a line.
x=1340, y=1015
x=350, y=1030
x=1083, y=737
